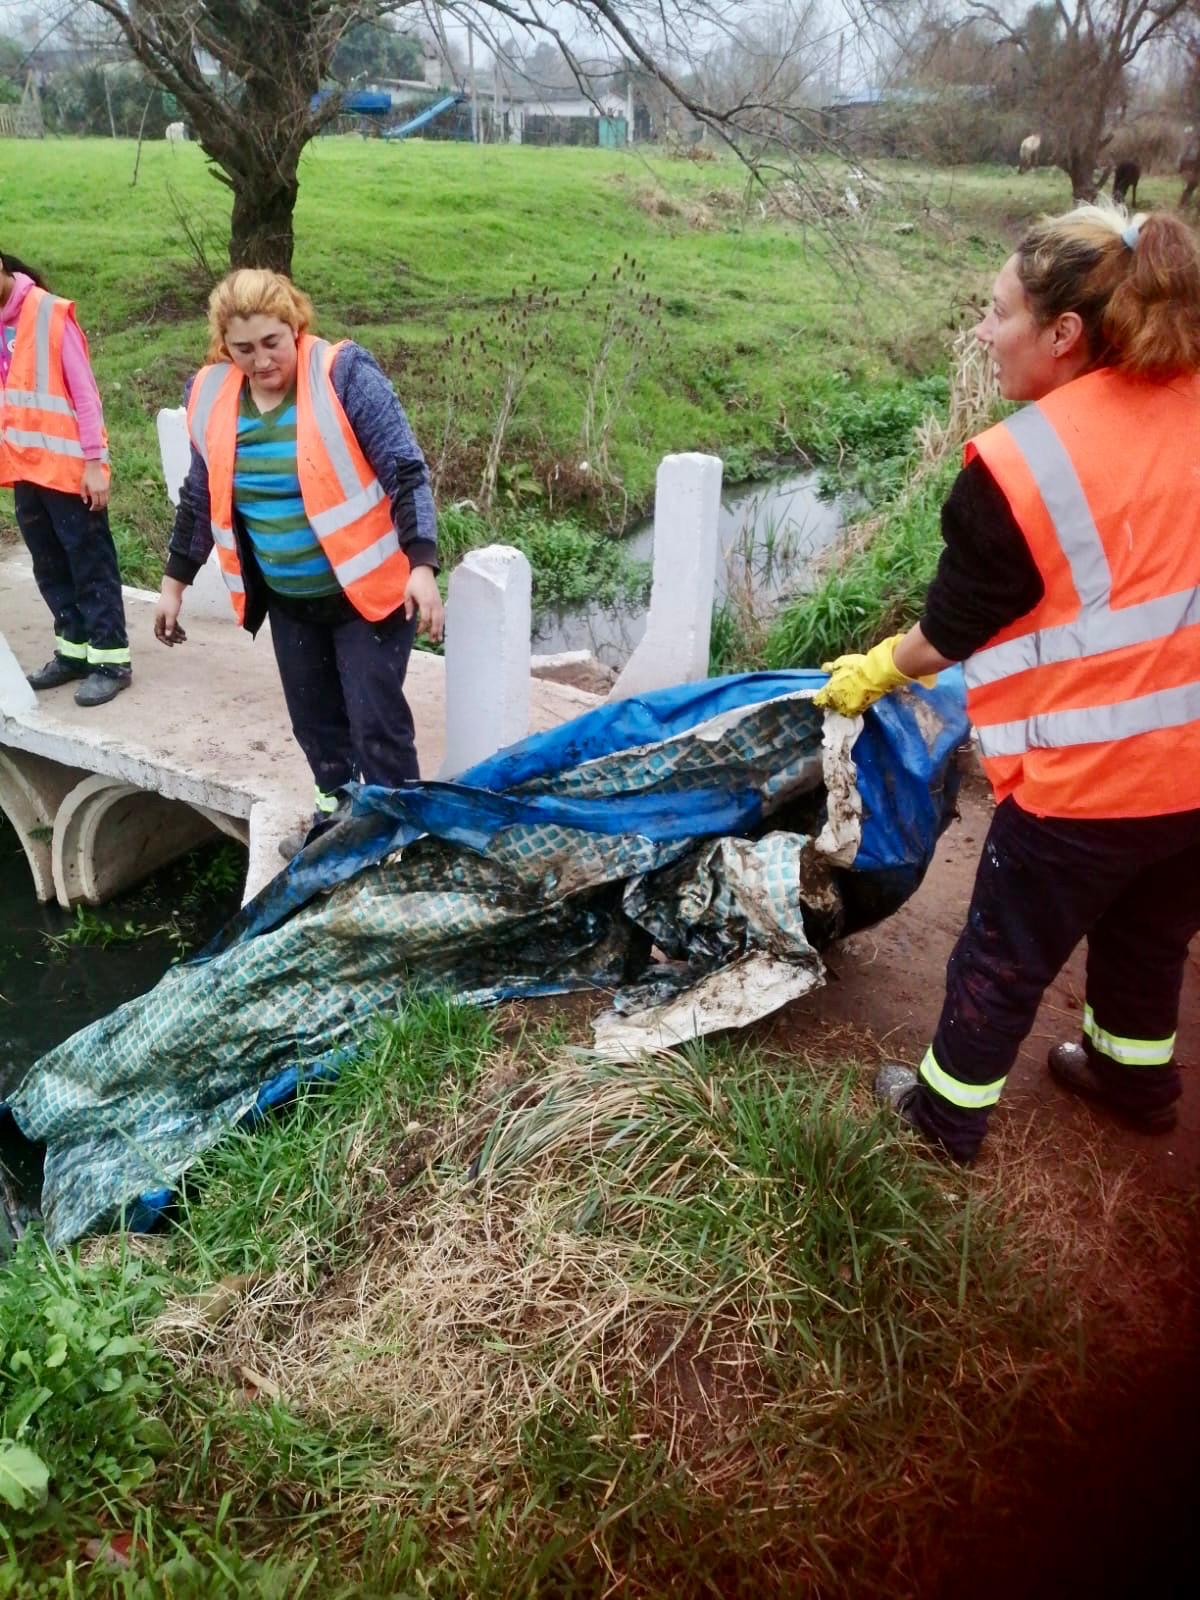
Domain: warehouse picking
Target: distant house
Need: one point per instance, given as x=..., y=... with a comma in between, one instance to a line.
x=549, y=118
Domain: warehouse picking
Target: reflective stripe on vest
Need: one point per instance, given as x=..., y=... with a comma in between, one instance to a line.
x=205, y=392
x=1127, y=1052
x=358, y=498
x=41, y=452
x=1098, y=629
x=28, y=440
x=968, y=1096
x=1059, y=730
x=41, y=402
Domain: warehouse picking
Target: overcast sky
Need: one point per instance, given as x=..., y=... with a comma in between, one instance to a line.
x=859, y=56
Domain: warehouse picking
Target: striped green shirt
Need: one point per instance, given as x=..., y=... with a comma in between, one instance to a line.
x=266, y=495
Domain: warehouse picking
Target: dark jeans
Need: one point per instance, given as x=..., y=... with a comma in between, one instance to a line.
x=74, y=565
x=1131, y=886
x=344, y=686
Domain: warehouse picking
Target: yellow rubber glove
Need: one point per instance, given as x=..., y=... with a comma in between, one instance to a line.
x=856, y=682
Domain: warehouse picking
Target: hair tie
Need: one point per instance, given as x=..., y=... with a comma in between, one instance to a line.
x=1129, y=235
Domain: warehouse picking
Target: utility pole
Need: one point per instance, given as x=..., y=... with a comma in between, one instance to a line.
x=474, y=87
x=108, y=100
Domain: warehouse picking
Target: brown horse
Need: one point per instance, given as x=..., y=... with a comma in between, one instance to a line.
x=1125, y=181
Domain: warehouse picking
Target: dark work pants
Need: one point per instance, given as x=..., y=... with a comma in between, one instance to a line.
x=74, y=565
x=1131, y=886
x=344, y=687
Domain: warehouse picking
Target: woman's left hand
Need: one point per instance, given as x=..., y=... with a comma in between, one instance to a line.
x=421, y=595
x=93, y=491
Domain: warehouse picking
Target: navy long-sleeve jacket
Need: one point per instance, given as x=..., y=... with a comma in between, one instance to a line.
x=986, y=577
x=387, y=441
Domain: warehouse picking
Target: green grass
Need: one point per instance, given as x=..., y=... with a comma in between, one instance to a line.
x=487, y=1317
x=402, y=247
x=768, y=341
x=571, y=563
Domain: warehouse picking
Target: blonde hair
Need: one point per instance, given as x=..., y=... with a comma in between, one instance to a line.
x=254, y=292
x=1134, y=282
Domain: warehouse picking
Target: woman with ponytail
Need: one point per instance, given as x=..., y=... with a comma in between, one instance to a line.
x=54, y=456
x=1069, y=587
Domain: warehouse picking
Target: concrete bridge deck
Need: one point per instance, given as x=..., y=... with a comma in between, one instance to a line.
x=200, y=742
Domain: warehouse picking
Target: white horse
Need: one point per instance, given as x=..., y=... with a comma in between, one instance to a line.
x=1030, y=147
x=176, y=133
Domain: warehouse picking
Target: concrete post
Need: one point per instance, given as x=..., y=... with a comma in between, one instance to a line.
x=489, y=616
x=687, y=512
x=207, y=596
x=175, y=449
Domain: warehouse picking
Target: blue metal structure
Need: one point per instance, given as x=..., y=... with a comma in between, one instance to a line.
x=438, y=109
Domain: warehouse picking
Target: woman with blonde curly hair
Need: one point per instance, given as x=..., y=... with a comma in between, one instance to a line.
x=1070, y=589
x=306, y=475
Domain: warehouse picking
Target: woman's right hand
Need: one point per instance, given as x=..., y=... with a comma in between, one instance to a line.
x=166, y=613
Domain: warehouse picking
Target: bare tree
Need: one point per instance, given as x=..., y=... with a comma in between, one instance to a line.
x=780, y=58
x=1076, y=55
x=248, y=74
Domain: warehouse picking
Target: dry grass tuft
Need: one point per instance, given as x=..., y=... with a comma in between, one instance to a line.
x=974, y=397
x=665, y=207
x=711, y=1289
x=1087, y=1218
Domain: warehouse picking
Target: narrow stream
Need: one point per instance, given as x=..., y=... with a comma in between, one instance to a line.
x=769, y=532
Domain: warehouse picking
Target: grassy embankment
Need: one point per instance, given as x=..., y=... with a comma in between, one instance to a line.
x=489, y=1318
x=744, y=336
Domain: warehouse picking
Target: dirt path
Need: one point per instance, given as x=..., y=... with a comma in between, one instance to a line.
x=1101, y=1500
x=889, y=981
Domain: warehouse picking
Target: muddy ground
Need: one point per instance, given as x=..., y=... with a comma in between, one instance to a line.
x=1106, y=1505
x=889, y=981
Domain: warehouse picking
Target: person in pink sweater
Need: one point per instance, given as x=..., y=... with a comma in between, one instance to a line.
x=54, y=456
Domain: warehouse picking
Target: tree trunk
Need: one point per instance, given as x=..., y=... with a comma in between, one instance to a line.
x=1081, y=166
x=261, y=227
x=1082, y=174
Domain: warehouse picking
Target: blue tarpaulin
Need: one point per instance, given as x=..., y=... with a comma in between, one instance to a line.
x=648, y=848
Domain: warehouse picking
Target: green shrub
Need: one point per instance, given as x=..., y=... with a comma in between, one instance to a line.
x=78, y=1429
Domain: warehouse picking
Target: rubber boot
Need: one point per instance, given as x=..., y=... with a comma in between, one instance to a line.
x=1071, y=1067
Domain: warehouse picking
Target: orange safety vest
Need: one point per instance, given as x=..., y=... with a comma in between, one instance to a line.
x=343, y=499
x=39, y=431
x=1089, y=705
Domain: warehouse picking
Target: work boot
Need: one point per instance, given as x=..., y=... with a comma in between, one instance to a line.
x=1071, y=1066
x=99, y=687
x=292, y=843
x=897, y=1087
x=57, y=671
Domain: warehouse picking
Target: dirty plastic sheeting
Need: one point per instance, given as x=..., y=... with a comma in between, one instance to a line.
x=689, y=851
